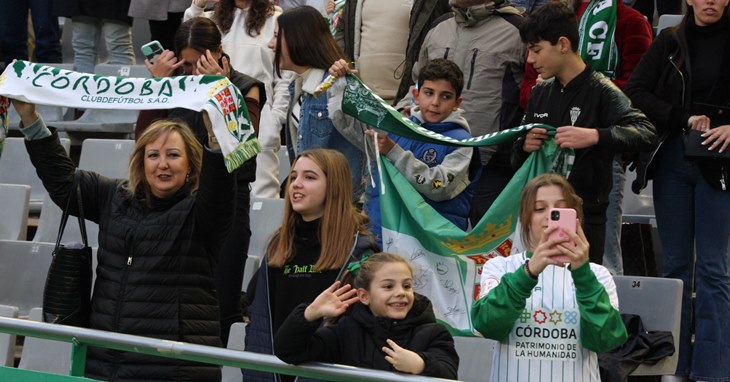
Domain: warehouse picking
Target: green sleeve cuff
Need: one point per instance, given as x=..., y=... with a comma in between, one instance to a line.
x=585, y=280
x=523, y=282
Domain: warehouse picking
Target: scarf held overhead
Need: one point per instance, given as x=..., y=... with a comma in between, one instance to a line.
x=216, y=95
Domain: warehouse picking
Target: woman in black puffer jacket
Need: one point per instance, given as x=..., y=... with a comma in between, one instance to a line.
x=159, y=237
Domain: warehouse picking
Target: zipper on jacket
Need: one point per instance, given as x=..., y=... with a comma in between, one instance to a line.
x=471, y=70
x=446, y=53
x=722, y=177
x=681, y=76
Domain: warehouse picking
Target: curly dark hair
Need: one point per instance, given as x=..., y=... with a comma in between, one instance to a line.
x=259, y=12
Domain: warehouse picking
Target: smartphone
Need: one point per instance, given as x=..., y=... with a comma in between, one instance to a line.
x=151, y=49
x=565, y=220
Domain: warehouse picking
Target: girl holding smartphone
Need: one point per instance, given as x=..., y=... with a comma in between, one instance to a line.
x=550, y=318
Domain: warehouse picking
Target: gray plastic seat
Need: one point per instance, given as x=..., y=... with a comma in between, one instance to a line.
x=7, y=341
x=108, y=157
x=235, y=342
x=284, y=164
x=475, y=357
x=266, y=215
x=45, y=355
x=50, y=220
x=14, y=207
x=666, y=21
x=637, y=208
x=658, y=301
x=23, y=269
x=16, y=168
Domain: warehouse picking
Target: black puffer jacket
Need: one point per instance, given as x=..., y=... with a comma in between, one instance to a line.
x=357, y=339
x=155, y=264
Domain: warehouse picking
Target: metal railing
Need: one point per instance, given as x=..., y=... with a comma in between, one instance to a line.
x=81, y=338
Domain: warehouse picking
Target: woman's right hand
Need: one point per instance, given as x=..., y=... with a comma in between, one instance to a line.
x=331, y=303
x=545, y=252
x=26, y=111
x=165, y=64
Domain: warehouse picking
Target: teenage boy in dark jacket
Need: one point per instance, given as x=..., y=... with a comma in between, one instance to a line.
x=591, y=114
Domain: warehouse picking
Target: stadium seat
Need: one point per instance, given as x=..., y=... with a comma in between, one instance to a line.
x=16, y=168
x=235, y=342
x=658, y=301
x=666, y=21
x=108, y=157
x=45, y=355
x=7, y=341
x=14, y=207
x=637, y=208
x=284, y=164
x=252, y=265
x=475, y=357
x=266, y=216
x=23, y=269
x=50, y=220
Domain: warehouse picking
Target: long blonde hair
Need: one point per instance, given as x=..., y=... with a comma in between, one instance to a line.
x=340, y=220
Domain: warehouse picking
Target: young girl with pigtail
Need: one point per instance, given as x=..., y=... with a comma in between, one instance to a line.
x=388, y=327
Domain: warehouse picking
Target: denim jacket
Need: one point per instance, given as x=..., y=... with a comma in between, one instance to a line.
x=317, y=130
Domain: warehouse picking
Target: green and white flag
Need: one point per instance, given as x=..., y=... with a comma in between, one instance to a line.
x=216, y=95
x=448, y=261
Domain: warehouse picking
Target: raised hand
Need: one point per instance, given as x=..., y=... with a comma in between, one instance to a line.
x=26, y=111
x=164, y=65
x=402, y=359
x=385, y=144
x=207, y=64
x=332, y=302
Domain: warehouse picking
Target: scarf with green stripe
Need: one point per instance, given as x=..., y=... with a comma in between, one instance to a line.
x=597, y=31
x=216, y=95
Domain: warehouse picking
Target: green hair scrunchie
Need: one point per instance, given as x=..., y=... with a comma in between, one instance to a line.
x=354, y=266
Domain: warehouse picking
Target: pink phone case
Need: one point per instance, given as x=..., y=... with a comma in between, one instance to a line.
x=566, y=218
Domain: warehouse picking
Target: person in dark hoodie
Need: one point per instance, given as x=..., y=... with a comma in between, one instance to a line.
x=389, y=327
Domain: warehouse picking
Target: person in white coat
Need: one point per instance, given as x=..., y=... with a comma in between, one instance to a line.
x=247, y=27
